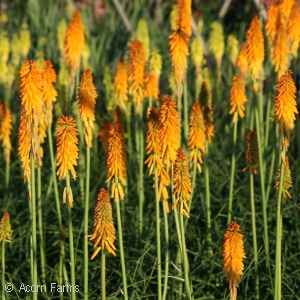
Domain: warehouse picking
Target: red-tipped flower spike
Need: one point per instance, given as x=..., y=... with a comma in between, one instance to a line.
x=116, y=162
x=182, y=183
x=237, y=97
x=5, y=228
x=196, y=135
x=67, y=149
x=252, y=159
x=104, y=229
x=233, y=255
x=285, y=105
x=5, y=129
x=137, y=71
x=255, y=51
x=74, y=41
x=86, y=101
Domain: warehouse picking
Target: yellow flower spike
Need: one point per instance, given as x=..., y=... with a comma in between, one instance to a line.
x=197, y=53
x=196, y=138
x=216, y=43
x=73, y=43
x=173, y=17
x=85, y=57
x=252, y=157
x=121, y=84
x=287, y=180
x=294, y=28
x=60, y=34
x=24, y=145
x=5, y=130
x=49, y=92
x=285, y=105
x=116, y=161
x=16, y=47
x=169, y=132
x=232, y=48
x=3, y=17
x=255, y=51
x=104, y=230
x=182, y=182
x=237, y=97
x=155, y=63
x=86, y=101
x=25, y=40
x=67, y=149
x=5, y=228
x=5, y=47
x=143, y=36
x=137, y=72
x=242, y=61
x=281, y=50
x=233, y=255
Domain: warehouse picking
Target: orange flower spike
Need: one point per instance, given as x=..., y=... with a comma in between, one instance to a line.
x=294, y=28
x=104, y=229
x=104, y=134
x=233, y=255
x=281, y=50
x=67, y=149
x=255, y=51
x=86, y=101
x=151, y=86
x=196, y=138
x=273, y=15
x=182, y=182
x=285, y=105
x=169, y=131
x=121, y=83
x=74, y=41
x=31, y=89
x=24, y=145
x=49, y=92
x=116, y=162
x=137, y=71
x=5, y=228
x=237, y=97
x=242, y=61
x=252, y=157
x=5, y=129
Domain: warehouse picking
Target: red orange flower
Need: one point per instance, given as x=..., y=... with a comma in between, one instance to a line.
x=5, y=129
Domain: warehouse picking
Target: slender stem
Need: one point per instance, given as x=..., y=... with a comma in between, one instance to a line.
x=141, y=171
x=279, y=229
x=40, y=220
x=103, y=283
x=185, y=260
x=124, y=278
x=254, y=234
x=3, y=269
x=263, y=195
x=7, y=177
x=167, y=255
x=159, y=295
x=207, y=198
x=185, y=113
x=232, y=169
x=86, y=223
x=267, y=132
x=33, y=227
x=71, y=239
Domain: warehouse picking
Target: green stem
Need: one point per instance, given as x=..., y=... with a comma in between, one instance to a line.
x=185, y=113
x=262, y=184
x=185, y=259
x=167, y=255
x=279, y=229
x=33, y=227
x=141, y=171
x=71, y=239
x=3, y=269
x=158, y=245
x=7, y=177
x=207, y=199
x=124, y=278
x=103, y=283
x=86, y=223
x=40, y=220
x=254, y=235
x=232, y=169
